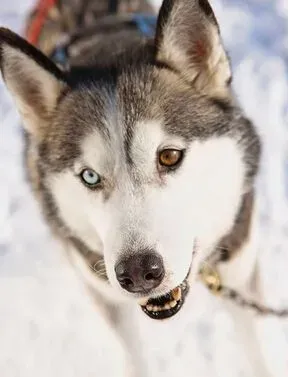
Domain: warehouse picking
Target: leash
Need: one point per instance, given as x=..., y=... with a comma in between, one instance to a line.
x=210, y=277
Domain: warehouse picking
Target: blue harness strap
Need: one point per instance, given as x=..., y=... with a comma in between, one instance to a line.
x=145, y=23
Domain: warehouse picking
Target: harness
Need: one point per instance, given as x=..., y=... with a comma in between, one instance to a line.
x=145, y=24
x=56, y=43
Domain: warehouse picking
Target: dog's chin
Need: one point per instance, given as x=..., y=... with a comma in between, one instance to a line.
x=167, y=305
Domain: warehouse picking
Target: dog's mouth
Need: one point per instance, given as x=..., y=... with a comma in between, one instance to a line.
x=168, y=305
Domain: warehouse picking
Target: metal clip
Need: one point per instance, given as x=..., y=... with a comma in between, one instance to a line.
x=211, y=278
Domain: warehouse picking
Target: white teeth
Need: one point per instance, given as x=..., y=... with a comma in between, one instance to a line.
x=153, y=308
x=156, y=308
x=143, y=301
x=177, y=293
x=173, y=304
x=149, y=308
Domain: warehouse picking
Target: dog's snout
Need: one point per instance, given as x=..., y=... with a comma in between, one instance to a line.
x=140, y=273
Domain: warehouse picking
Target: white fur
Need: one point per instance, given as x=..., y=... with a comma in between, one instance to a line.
x=241, y=274
x=238, y=272
x=197, y=202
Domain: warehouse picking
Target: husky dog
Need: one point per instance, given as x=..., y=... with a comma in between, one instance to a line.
x=141, y=159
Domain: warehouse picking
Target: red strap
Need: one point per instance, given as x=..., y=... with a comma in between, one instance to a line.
x=37, y=23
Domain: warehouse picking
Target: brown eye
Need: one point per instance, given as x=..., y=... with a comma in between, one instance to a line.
x=170, y=157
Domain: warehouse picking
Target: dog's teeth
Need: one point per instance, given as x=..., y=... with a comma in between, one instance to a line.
x=173, y=304
x=149, y=307
x=143, y=301
x=177, y=293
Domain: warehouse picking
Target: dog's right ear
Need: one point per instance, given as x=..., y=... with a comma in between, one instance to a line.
x=34, y=81
x=188, y=41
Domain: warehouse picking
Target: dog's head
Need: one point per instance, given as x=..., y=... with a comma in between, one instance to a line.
x=145, y=160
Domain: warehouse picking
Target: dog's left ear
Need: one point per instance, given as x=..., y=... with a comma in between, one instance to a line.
x=33, y=79
x=188, y=40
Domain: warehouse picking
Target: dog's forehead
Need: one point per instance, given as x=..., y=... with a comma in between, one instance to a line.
x=114, y=108
x=164, y=97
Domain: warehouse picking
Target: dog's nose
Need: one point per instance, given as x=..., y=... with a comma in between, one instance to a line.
x=140, y=273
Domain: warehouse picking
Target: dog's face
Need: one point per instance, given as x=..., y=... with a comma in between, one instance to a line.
x=146, y=163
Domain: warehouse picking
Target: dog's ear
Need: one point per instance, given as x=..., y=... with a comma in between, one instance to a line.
x=188, y=40
x=34, y=81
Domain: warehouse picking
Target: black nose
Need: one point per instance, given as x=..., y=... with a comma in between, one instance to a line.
x=140, y=273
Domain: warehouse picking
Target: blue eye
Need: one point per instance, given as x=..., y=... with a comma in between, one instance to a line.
x=90, y=177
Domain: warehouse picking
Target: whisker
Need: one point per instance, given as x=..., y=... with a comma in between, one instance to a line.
x=208, y=264
x=103, y=273
x=99, y=264
x=100, y=270
x=221, y=248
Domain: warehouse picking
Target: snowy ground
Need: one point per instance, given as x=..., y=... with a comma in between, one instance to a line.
x=48, y=327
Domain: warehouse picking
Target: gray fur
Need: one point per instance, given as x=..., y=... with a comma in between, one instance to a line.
x=139, y=82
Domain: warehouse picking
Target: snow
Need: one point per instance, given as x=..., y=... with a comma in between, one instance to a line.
x=48, y=325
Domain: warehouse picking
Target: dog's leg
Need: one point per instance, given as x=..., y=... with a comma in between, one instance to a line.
x=127, y=326
x=241, y=274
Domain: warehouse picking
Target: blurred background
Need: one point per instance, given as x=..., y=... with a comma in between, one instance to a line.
x=48, y=327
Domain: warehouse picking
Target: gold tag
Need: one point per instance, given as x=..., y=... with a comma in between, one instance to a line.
x=211, y=279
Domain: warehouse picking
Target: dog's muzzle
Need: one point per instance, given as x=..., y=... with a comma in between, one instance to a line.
x=143, y=273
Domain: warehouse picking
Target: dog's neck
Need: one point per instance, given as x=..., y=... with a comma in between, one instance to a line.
x=233, y=242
